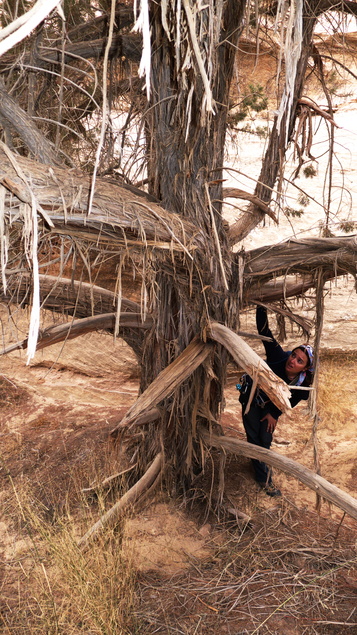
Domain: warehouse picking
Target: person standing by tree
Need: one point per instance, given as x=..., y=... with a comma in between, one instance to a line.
x=296, y=368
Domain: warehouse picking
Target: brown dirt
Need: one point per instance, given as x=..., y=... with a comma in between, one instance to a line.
x=55, y=418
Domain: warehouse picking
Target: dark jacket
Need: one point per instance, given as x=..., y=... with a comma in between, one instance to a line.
x=276, y=359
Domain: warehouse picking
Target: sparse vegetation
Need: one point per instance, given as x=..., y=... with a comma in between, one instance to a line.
x=285, y=563
x=309, y=171
x=293, y=213
x=337, y=402
x=347, y=226
x=254, y=100
x=303, y=199
x=304, y=564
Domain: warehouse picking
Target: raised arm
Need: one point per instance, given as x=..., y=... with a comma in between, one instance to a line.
x=273, y=350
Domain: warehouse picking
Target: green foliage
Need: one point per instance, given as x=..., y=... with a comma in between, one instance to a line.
x=347, y=226
x=260, y=131
x=254, y=100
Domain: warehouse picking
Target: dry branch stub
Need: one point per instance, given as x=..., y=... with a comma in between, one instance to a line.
x=250, y=362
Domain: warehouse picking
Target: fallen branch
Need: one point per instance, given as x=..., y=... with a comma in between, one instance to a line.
x=251, y=363
x=318, y=484
x=110, y=518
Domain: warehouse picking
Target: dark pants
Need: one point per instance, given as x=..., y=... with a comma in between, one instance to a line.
x=257, y=433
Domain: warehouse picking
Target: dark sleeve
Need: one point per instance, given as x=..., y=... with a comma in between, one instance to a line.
x=296, y=397
x=273, y=350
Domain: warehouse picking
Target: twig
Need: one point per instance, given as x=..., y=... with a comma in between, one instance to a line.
x=132, y=495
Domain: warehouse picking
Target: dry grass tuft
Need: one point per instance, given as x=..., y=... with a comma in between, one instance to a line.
x=51, y=586
x=337, y=392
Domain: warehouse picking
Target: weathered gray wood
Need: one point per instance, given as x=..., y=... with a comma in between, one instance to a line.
x=317, y=483
x=71, y=330
x=166, y=382
x=110, y=518
x=254, y=365
x=24, y=126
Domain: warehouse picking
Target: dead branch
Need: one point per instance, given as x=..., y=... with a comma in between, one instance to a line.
x=234, y=192
x=24, y=126
x=111, y=517
x=72, y=297
x=254, y=365
x=335, y=256
x=318, y=484
x=71, y=330
x=304, y=101
x=118, y=216
x=166, y=382
x=273, y=290
x=107, y=483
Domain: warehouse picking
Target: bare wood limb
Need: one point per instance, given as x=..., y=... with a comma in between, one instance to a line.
x=110, y=518
x=274, y=290
x=166, y=382
x=71, y=296
x=337, y=255
x=316, y=482
x=117, y=214
x=108, y=481
x=304, y=101
x=22, y=123
x=250, y=361
x=71, y=330
x=234, y=192
x=19, y=29
x=147, y=416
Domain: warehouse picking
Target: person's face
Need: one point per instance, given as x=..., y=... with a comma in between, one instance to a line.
x=297, y=362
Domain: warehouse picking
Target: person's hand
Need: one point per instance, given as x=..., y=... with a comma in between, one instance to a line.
x=271, y=422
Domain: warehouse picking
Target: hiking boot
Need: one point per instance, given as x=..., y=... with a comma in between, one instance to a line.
x=270, y=489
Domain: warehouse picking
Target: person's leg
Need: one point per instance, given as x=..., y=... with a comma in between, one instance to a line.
x=265, y=439
x=257, y=433
x=265, y=442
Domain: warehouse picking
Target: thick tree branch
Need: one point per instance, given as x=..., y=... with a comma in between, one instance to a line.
x=118, y=215
x=166, y=382
x=255, y=366
x=24, y=126
x=71, y=330
x=335, y=256
x=318, y=484
x=234, y=192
